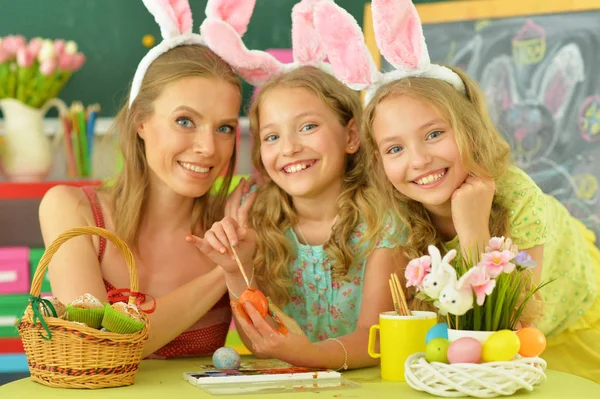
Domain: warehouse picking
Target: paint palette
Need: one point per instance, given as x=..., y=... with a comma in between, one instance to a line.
x=262, y=376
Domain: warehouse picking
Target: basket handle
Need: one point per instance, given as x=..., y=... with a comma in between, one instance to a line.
x=36, y=284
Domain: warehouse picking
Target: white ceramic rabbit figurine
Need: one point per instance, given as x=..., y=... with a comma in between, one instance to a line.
x=457, y=296
x=440, y=274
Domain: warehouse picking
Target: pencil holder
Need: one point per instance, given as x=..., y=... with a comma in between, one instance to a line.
x=64, y=354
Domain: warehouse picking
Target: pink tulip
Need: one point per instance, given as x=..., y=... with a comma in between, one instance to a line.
x=416, y=270
x=4, y=55
x=65, y=60
x=13, y=43
x=77, y=62
x=59, y=46
x=480, y=281
x=48, y=66
x=24, y=58
x=497, y=262
x=34, y=46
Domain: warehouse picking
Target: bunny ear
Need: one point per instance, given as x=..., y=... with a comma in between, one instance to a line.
x=173, y=16
x=236, y=13
x=436, y=256
x=449, y=256
x=345, y=46
x=305, y=40
x=256, y=67
x=399, y=33
x=558, y=82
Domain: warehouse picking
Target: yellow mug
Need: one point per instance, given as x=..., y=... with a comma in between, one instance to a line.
x=399, y=337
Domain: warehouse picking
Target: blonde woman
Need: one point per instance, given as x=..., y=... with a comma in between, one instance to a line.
x=177, y=135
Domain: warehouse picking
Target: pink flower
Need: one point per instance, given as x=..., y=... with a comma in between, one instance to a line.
x=48, y=67
x=480, y=281
x=416, y=270
x=59, y=46
x=4, y=55
x=78, y=61
x=13, y=43
x=496, y=244
x=497, y=262
x=24, y=57
x=34, y=46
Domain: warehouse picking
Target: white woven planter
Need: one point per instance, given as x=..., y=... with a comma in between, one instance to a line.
x=485, y=380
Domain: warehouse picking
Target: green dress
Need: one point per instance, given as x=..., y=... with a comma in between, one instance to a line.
x=324, y=307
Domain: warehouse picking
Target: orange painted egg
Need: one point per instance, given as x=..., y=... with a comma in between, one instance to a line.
x=257, y=299
x=533, y=342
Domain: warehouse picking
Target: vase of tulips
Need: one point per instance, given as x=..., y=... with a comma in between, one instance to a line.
x=32, y=74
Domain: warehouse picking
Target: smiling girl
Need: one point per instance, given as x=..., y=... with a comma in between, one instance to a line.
x=445, y=170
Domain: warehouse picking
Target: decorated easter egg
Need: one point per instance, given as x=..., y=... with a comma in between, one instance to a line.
x=533, y=342
x=226, y=358
x=257, y=299
x=438, y=331
x=501, y=346
x=464, y=350
x=437, y=350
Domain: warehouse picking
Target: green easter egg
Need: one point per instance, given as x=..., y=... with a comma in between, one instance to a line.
x=437, y=350
x=501, y=346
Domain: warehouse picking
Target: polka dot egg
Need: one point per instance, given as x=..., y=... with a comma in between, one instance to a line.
x=226, y=358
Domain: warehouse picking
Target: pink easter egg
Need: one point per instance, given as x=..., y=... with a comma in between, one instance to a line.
x=464, y=350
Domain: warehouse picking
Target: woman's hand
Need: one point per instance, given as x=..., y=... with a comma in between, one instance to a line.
x=291, y=345
x=240, y=201
x=223, y=235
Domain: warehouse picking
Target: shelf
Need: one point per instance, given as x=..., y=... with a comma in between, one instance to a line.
x=9, y=190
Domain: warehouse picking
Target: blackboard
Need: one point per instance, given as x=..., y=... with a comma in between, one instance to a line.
x=541, y=79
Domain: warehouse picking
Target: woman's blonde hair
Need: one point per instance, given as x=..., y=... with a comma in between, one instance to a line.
x=273, y=212
x=130, y=190
x=483, y=152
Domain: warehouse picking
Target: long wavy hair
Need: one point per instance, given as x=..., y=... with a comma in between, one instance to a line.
x=273, y=211
x=483, y=152
x=130, y=190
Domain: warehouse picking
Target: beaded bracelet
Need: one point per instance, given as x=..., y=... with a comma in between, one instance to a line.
x=229, y=289
x=345, y=366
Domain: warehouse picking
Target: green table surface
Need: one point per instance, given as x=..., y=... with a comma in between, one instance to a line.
x=164, y=379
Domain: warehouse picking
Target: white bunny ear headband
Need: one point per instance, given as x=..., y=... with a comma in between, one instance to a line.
x=256, y=67
x=399, y=36
x=174, y=18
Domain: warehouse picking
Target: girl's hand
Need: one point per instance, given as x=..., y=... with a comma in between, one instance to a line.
x=223, y=235
x=471, y=207
x=240, y=201
x=290, y=346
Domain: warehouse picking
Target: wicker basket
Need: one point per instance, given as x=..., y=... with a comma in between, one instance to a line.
x=485, y=380
x=78, y=356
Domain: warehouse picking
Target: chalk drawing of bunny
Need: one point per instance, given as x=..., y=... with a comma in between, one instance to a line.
x=533, y=121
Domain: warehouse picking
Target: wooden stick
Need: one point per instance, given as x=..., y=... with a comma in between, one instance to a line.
x=239, y=263
x=394, y=297
x=401, y=297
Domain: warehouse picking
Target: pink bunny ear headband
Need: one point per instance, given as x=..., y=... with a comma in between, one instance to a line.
x=256, y=67
x=400, y=39
x=174, y=18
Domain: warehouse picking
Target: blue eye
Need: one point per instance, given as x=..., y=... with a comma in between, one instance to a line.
x=271, y=137
x=394, y=150
x=184, y=122
x=307, y=127
x=227, y=129
x=434, y=135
